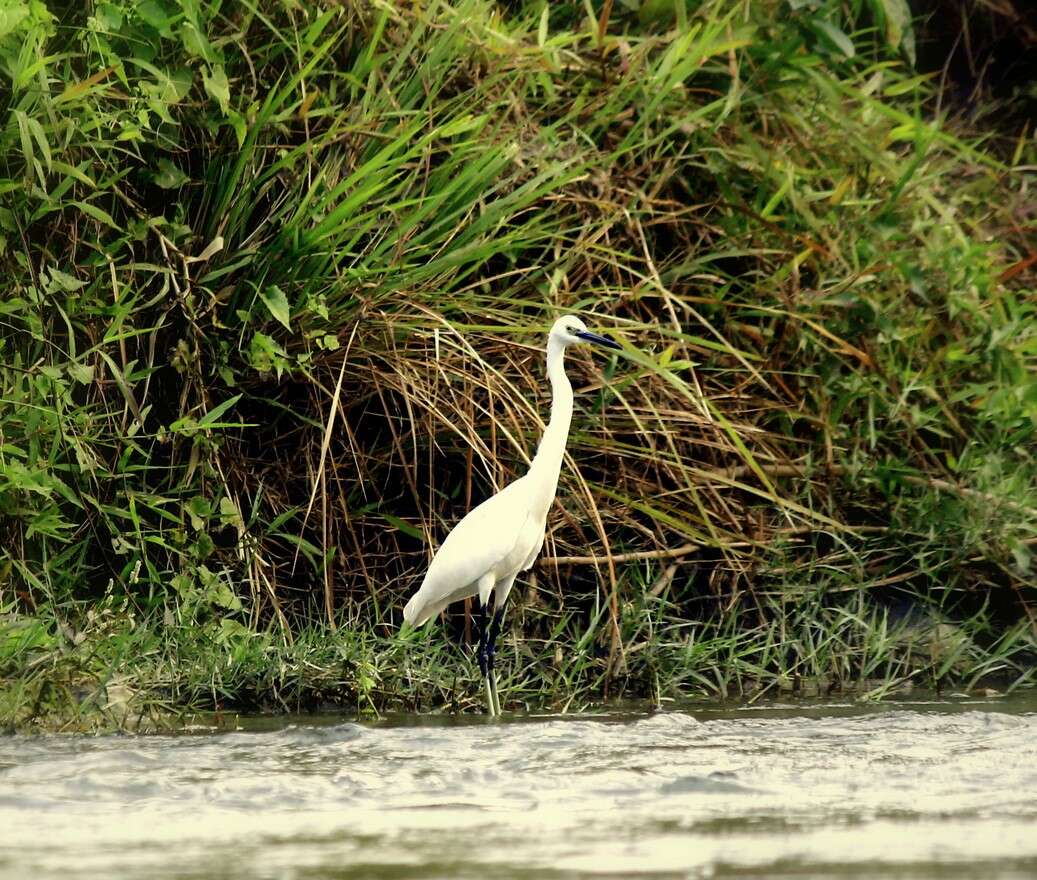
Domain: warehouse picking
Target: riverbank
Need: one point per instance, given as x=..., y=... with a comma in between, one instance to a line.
x=123, y=674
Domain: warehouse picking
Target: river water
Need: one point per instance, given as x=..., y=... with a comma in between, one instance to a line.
x=926, y=789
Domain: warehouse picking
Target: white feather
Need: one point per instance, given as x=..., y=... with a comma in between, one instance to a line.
x=503, y=535
x=483, y=542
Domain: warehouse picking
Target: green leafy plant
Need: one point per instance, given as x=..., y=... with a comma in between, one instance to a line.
x=278, y=274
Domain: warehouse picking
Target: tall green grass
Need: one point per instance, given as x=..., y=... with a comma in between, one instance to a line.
x=278, y=276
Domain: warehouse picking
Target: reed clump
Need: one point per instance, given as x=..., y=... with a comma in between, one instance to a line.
x=277, y=282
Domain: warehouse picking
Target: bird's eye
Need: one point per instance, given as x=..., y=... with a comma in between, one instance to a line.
x=573, y=330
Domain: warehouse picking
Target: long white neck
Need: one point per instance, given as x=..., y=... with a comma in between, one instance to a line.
x=547, y=464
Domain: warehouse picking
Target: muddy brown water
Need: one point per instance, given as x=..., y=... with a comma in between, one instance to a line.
x=929, y=788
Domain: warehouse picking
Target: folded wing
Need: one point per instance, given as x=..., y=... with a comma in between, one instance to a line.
x=480, y=543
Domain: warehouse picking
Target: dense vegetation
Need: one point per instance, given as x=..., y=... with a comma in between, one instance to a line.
x=276, y=278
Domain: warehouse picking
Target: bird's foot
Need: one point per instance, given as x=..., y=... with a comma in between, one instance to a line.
x=494, y=696
x=492, y=704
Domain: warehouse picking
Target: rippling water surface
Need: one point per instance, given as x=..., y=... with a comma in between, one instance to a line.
x=921, y=789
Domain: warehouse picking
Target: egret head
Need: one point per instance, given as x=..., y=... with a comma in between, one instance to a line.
x=569, y=330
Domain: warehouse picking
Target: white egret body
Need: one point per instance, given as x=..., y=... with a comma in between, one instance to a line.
x=503, y=536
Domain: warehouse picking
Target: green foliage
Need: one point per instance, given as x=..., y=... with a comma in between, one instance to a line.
x=837, y=26
x=267, y=265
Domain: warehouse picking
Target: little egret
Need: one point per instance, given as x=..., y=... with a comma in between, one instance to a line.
x=503, y=535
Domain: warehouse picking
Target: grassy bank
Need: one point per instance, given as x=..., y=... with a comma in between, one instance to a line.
x=277, y=281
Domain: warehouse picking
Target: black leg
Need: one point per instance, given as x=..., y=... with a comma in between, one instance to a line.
x=491, y=637
x=480, y=625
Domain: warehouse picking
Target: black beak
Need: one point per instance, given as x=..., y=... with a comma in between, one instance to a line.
x=587, y=336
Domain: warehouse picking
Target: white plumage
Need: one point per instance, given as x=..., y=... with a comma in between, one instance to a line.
x=489, y=547
x=503, y=536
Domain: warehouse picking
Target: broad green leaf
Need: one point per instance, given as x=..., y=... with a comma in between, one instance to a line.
x=899, y=31
x=17, y=476
x=11, y=16
x=240, y=126
x=266, y=355
x=156, y=14
x=98, y=214
x=196, y=43
x=198, y=511
x=107, y=18
x=74, y=172
x=277, y=304
x=169, y=176
x=81, y=373
x=833, y=37
x=229, y=514
x=217, y=85
x=62, y=281
x=40, y=137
